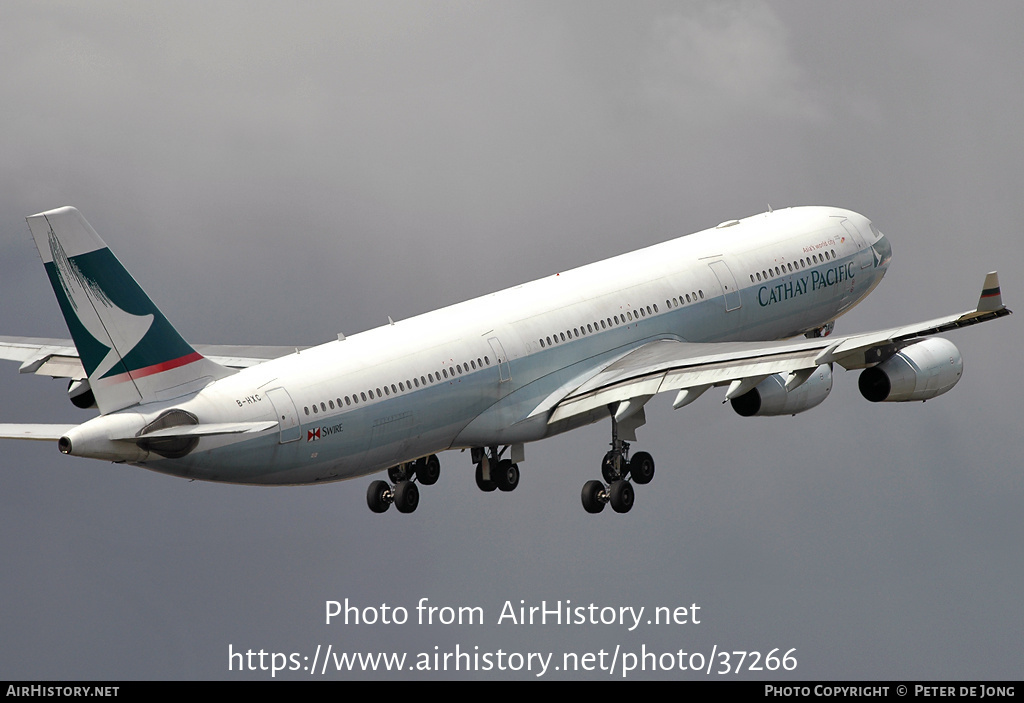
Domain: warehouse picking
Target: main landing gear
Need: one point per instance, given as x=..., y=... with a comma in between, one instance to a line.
x=620, y=472
x=493, y=472
x=402, y=491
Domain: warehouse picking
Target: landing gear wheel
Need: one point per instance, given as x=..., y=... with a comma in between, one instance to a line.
x=396, y=474
x=377, y=496
x=608, y=470
x=591, y=496
x=620, y=495
x=483, y=485
x=641, y=468
x=507, y=477
x=428, y=470
x=407, y=496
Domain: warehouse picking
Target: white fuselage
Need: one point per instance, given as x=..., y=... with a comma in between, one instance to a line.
x=472, y=374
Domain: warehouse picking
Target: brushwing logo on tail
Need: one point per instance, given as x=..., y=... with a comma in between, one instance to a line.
x=92, y=305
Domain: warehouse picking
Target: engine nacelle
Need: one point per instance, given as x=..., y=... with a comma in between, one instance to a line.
x=921, y=371
x=770, y=396
x=81, y=394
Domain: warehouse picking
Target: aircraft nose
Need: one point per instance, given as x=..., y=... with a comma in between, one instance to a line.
x=882, y=251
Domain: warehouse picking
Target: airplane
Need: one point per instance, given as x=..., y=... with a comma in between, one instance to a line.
x=747, y=306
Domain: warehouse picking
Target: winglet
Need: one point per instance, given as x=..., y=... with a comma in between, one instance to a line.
x=991, y=298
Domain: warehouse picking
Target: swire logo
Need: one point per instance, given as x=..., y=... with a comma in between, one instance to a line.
x=319, y=432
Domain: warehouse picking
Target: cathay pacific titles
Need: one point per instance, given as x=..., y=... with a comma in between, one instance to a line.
x=792, y=288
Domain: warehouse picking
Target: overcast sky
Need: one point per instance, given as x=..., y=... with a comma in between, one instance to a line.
x=276, y=173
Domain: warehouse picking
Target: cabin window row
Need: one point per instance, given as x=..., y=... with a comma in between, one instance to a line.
x=791, y=267
x=616, y=320
x=400, y=387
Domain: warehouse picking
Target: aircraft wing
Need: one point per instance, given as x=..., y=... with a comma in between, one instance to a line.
x=690, y=369
x=58, y=358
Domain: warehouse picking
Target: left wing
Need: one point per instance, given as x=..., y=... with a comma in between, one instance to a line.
x=58, y=358
x=690, y=369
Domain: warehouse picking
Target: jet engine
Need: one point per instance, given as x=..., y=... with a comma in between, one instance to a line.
x=81, y=394
x=770, y=396
x=921, y=371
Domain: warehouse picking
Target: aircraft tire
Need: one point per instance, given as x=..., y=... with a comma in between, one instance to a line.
x=620, y=495
x=396, y=474
x=375, y=496
x=608, y=470
x=508, y=476
x=485, y=486
x=641, y=468
x=591, y=497
x=428, y=470
x=407, y=496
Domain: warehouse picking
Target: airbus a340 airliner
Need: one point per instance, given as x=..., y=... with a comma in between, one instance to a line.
x=746, y=306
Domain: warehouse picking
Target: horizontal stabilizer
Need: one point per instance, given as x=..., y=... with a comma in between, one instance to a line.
x=37, y=432
x=208, y=430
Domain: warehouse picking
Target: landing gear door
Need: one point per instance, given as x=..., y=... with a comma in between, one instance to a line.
x=287, y=415
x=504, y=371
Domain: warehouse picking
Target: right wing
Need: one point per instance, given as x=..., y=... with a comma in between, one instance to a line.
x=623, y=386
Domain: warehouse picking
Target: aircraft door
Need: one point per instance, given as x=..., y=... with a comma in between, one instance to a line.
x=728, y=284
x=504, y=370
x=287, y=415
